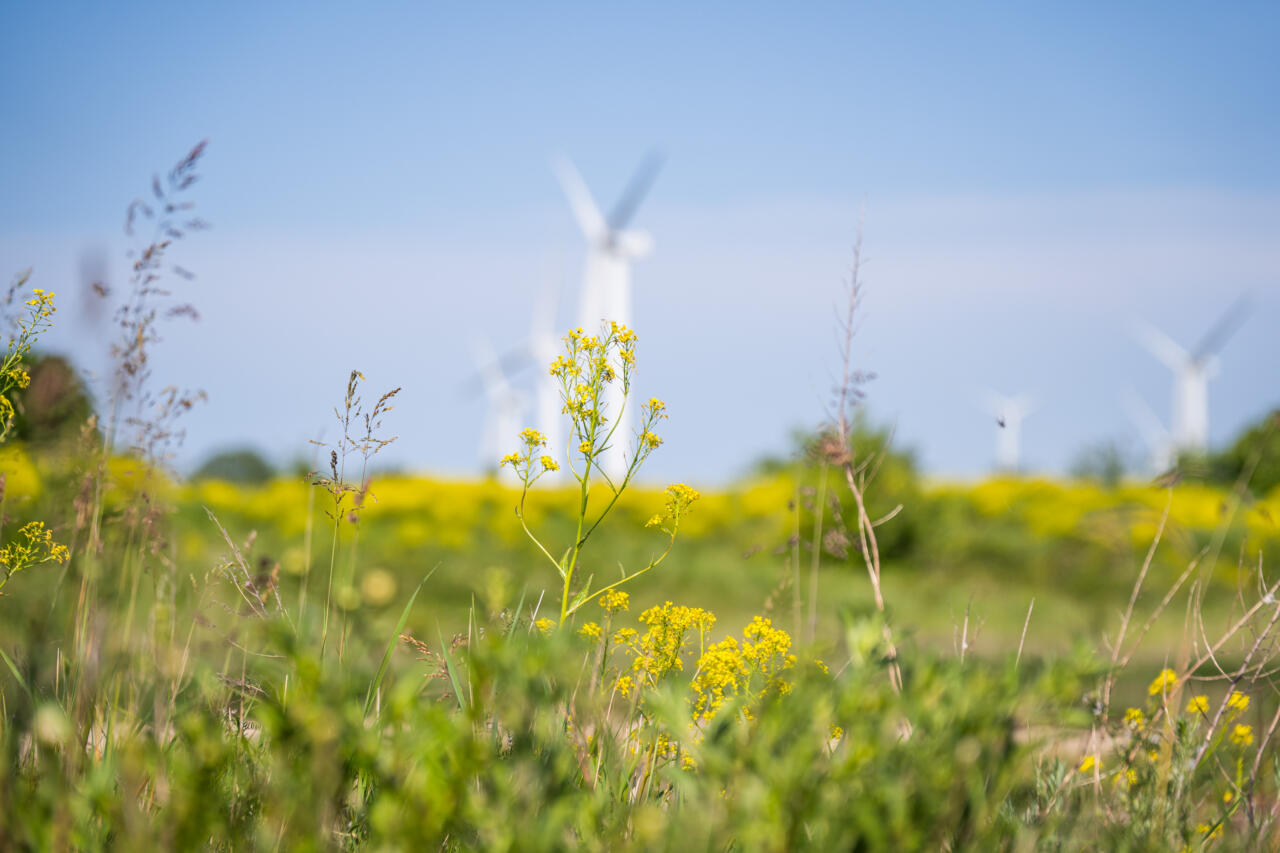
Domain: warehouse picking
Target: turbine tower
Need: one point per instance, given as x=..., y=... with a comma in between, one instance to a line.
x=1009, y=413
x=505, y=410
x=606, y=279
x=1189, y=424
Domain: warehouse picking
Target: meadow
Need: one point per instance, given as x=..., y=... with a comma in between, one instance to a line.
x=834, y=653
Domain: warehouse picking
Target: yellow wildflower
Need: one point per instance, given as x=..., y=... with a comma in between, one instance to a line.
x=625, y=685
x=614, y=600
x=1237, y=702
x=1090, y=761
x=1133, y=718
x=545, y=625
x=549, y=464
x=1198, y=705
x=1242, y=735
x=591, y=631
x=1166, y=679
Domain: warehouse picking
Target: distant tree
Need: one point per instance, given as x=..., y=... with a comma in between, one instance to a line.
x=1258, y=444
x=1105, y=462
x=56, y=404
x=244, y=466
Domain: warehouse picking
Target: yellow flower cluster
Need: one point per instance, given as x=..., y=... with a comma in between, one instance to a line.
x=1238, y=703
x=521, y=461
x=1134, y=718
x=42, y=302
x=748, y=669
x=544, y=625
x=677, y=500
x=33, y=545
x=1242, y=735
x=592, y=631
x=614, y=600
x=1165, y=680
x=13, y=375
x=659, y=650
x=589, y=363
x=1198, y=705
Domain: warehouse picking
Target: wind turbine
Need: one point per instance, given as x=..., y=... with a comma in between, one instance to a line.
x=606, y=278
x=502, y=423
x=1189, y=424
x=1009, y=413
x=544, y=345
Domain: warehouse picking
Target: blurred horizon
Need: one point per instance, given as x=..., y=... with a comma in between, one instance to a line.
x=1028, y=183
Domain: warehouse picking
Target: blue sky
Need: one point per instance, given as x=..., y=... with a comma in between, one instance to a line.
x=1031, y=180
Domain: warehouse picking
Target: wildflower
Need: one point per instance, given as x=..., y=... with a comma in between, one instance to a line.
x=549, y=464
x=650, y=441
x=836, y=733
x=1166, y=679
x=687, y=762
x=32, y=546
x=625, y=685
x=545, y=625
x=533, y=438
x=614, y=600
x=1242, y=735
x=1237, y=702
x=1090, y=761
x=591, y=631
x=584, y=447
x=510, y=459
x=1209, y=831
x=1198, y=705
x=1133, y=718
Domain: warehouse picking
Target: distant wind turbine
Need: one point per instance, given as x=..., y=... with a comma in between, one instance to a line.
x=1189, y=423
x=1009, y=413
x=544, y=345
x=503, y=414
x=606, y=280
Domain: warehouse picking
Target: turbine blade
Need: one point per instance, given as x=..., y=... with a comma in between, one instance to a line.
x=636, y=190
x=1142, y=417
x=1227, y=326
x=583, y=205
x=1161, y=346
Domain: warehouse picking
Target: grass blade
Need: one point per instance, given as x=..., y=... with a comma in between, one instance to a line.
x=14, y=669
x=515, y=620
x=391, y=644
x=453, y=672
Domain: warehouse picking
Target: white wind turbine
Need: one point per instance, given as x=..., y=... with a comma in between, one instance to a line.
x=544, y=346
x=606, y=279
x=1009, y=413
x=1189, y=425
x=503, y=415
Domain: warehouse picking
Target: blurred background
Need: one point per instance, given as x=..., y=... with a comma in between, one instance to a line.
x=1030, y=184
